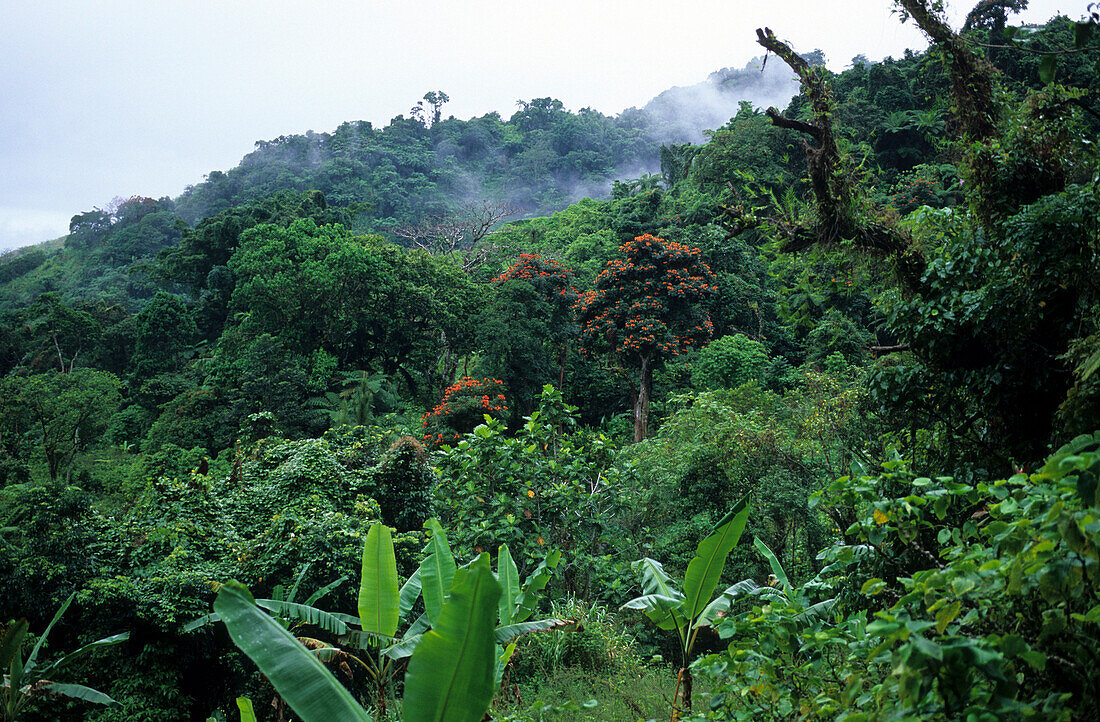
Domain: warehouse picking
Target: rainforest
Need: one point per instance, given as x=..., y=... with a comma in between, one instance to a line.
x=571, y=416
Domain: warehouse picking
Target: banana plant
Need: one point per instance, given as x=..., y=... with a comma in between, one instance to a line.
x=370, y=641
x=26, y=679
x=295, y=672
x=516, y=606
x=796, y=599
x=690, y=610
x=451, y=674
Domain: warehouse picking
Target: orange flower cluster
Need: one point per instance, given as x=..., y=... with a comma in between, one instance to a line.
x=466, y=400
x=647, y=303
x=532, y=266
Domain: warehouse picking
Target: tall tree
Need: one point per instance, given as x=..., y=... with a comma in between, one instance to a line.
x=648, y=307
x=61, y=412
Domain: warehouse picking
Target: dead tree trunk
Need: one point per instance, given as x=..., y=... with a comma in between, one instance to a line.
x=838, y=214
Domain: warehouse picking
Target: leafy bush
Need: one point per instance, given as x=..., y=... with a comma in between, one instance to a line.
x=953, y=601
x=730, y=361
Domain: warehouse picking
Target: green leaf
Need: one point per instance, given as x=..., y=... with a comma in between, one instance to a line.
x=77, y=691
x=536, y=582
x=508, y=576
x=296, y=674
x=743, y=588
x=946, y=615
x=42, y=640
x=378, y=594
x=202, y=621
x=659, y=607
x=304, y=612
x=705, y=568
x=451, y=676
x=244, y=704
x=927, y=647
x=410, y=590
x=1048, y=66
x=436, y=571
x=11, y=642
x=662, y=601
x=509, y=632
x=1082, y=32
x=815, y=611
x=297, y=583
x=502, y=662
x=773, y=562
x=105, y=642
x=872, y=586
x=404, y=648
x=323, y=591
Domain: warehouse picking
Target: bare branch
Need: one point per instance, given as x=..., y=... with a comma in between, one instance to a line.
x=838, y=216
x=461, y=232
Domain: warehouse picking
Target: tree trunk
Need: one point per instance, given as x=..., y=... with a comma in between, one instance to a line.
x=641, y=404
x=681, y=698
x=561, y=365
x=72, y=455
x=450, y=363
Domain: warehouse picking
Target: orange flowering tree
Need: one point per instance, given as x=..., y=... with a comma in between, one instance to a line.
x=551, y=279
x=647, y=308
x=463, y=407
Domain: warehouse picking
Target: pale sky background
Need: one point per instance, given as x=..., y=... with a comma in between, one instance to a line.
x=117, y=98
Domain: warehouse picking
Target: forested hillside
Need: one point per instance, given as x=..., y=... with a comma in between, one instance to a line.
x=579, y=416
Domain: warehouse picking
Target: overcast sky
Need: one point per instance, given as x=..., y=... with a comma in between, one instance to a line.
x=110, y=98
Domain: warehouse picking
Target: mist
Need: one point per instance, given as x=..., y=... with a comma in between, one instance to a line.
x=683, y=113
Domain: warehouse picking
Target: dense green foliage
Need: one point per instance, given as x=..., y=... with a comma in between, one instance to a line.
x=889, y=370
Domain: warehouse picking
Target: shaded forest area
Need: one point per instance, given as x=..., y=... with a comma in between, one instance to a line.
x=802, y=425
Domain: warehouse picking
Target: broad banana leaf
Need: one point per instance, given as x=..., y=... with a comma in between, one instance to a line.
x=296, y=674
x=359, y=639
x=323, y=591
x=437, y=571
x=656, y=583
x=815, y=611
x=451, y=676
x=529, y=597
x=11, y=642
x=349, y=619
x=404, y=648
x=244, y=704
x=410, y=590
x=33, y=657
x=510, y=631
x=335, y=622
x=658, y=607
x=293, y=589
x=705, y=569
x=777, y=568
x=504, y=656
x=508, y=576
x=201, y=622
x=76, y=691
x=378, y=593
x=306, y=613
x=743, y=588
x=419, y=626
x=105, y=642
